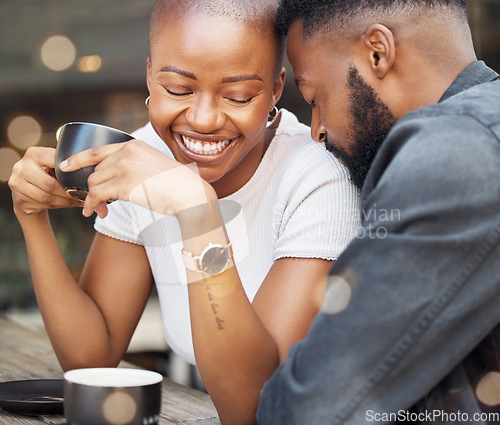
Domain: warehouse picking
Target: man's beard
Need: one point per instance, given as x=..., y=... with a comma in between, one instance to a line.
x=372, y=120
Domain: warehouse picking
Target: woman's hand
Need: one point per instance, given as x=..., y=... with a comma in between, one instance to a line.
x=34, y=187
x=136, y=172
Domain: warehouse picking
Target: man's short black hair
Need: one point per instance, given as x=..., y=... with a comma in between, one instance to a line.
x=322, y=15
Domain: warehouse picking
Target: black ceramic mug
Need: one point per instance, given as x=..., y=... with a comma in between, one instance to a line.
x=76, y=137
x=112, y=396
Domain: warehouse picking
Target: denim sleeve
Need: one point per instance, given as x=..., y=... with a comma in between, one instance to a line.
x=413, y=293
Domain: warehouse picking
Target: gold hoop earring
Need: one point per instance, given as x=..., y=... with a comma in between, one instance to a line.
x=146, y=102
x=270, y=116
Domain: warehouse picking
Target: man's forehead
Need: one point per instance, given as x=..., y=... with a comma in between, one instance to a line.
x=303, y=52
x=296, y=44
x=295, y=32
x=296, y=51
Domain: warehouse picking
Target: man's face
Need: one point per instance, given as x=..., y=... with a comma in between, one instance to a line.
x=347, y=113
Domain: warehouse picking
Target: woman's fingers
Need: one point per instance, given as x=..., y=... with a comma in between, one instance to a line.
x=124, y=167
x=118, y=172
x=33, y=200
x=98, y=196
x=90, y=157
x=101, y=209
x=43, y=156
x=34, y=188
x=108, y=181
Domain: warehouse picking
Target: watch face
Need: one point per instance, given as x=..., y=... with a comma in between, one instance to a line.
x=214, y=260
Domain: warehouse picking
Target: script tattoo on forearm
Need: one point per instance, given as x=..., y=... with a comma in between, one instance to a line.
x=214, y=306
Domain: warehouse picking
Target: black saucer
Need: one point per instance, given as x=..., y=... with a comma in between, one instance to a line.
x=33, y=397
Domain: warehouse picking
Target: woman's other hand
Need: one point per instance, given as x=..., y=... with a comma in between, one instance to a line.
x=34, y=186
x=136, y=172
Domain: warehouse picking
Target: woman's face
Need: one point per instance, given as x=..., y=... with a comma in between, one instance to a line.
x=212, y=83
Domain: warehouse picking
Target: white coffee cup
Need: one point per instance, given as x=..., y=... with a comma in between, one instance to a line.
x=112, y=396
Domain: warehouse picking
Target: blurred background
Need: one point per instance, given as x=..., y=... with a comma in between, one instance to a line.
x=74, y=60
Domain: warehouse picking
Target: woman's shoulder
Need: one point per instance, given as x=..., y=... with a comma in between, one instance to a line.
x=148, y=134
x=304, y=156
x=291, y=134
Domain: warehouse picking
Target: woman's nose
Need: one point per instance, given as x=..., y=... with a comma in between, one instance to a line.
x=318, y=131
x=205, y=116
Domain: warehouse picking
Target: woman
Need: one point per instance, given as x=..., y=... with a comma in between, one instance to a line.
x=255, y=281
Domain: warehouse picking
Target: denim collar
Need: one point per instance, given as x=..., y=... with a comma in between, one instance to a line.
x=474, y=74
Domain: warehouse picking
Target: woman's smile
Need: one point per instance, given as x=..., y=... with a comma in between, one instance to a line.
x=204, y=148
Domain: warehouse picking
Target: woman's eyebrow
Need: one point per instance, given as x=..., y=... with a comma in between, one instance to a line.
x=238, y=78
x=230, y=79
x=179, y=71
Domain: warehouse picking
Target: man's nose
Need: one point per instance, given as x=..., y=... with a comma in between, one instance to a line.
x=205, y=116
x=318, y=131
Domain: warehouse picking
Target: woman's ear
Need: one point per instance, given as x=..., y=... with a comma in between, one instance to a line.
x=148, y=74
x=380, y=48
x=279, y=85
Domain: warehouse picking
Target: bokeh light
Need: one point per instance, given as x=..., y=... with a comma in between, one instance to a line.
x=338, y=295
x=58, y=53
x=8, y=157
x=24, y=131
x=119, y=408
x=89, y=63
x=488, y=389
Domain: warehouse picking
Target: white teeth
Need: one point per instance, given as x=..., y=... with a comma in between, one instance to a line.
x=204, y=148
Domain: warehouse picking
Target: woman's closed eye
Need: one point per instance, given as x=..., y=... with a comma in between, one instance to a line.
x=179, y=92
x=239, y=101
x=187, y=93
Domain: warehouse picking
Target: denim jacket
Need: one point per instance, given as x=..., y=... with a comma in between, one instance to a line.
x=419, y=288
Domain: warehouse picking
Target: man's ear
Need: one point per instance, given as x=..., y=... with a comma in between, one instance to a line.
x=148, y=74
x=279, y=84
x=381, y=49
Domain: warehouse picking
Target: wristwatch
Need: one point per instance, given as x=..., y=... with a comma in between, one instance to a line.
x=213, y=260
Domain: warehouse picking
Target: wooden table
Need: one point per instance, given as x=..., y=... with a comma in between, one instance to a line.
x=27, y=354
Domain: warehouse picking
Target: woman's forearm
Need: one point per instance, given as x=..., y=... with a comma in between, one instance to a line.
x=234, y=351
x=73, y=322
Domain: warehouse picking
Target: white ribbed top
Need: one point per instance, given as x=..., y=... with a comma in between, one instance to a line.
x=298, y=203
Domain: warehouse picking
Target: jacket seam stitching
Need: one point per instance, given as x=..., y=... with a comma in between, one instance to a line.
x=415, y=331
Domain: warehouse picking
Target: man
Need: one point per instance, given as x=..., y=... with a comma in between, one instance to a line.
x=398, y=95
